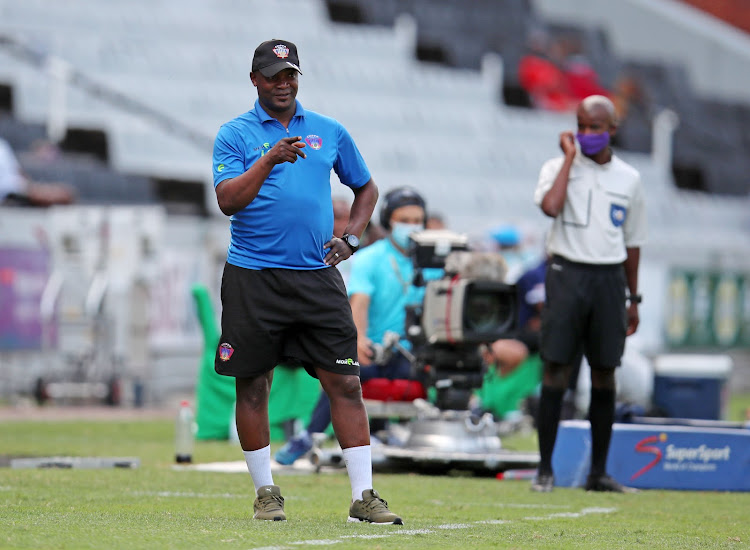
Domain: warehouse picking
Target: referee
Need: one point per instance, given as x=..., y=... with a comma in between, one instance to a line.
x=596, y=201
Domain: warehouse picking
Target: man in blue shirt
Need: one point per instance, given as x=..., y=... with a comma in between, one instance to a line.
x=281, y=299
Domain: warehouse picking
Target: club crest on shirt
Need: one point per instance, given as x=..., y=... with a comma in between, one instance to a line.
x=281, y=51
x=316, y=142
x=617, y=214
x=225, y=351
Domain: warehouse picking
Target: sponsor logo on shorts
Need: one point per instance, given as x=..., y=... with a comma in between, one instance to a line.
x=348, y=361
x=225, y=351
x=220, y=168
x=316, y=142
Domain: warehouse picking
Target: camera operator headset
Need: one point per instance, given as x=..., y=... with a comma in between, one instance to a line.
x=381, y=286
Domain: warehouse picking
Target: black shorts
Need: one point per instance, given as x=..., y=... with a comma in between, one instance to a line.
x=270, y=316
x=584, y=312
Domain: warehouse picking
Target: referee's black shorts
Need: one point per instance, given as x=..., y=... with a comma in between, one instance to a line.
x=270, y=316
x=584, y=312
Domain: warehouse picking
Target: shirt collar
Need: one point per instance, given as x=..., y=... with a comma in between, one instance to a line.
x=586, y=161
x=263, y=116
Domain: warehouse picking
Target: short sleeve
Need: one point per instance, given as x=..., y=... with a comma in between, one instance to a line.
x=547, y=176
x=229, y=156
x=635, y=226
x=350, y=166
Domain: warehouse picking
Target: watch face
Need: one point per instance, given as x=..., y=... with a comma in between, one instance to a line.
x=353, y=241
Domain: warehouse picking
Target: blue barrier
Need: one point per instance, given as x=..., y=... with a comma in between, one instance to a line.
x=658, y=456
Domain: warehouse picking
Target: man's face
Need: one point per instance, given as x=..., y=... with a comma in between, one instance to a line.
x=410, y=214
x=595, y=120
x=276, y=94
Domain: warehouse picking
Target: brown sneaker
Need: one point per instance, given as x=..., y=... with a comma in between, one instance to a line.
x=607, y=484
x=372, y=509
x=543, y=483
x=269, y=504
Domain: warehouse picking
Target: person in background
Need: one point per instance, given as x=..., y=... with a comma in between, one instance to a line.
x=507, y=239
x=380, y=288
x=597, y=204
x=373, y=233
x=435, y=220
x=555, y=72
x=18, y=190
x=281, y=301
x=514, y=371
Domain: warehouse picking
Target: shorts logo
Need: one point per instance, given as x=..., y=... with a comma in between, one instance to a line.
x=316, y=142
x=617, y=214
x=348, y=361
x=220, y=168
x=281, y=51
x=225, y=352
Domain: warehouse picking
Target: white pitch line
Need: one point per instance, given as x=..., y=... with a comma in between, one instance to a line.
x=320, y=542
x=445, y=526
x=364, y=536
x=177, y=494
x=582, y=513
x=520, y=505
x=493, y=521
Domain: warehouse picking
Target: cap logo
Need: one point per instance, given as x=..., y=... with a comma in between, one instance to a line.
x=316, y=142
x=281, y=51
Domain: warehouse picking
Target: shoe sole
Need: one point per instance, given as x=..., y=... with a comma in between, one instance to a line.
x=397, y=521
x=275, y=518
x=624, y=490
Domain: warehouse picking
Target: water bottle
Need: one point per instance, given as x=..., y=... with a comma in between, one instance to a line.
x=184, y=437
x=516, y=474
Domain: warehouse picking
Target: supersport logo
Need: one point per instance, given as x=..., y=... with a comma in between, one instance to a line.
x=643, y=446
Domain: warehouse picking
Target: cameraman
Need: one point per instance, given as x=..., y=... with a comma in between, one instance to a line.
x=380, y=287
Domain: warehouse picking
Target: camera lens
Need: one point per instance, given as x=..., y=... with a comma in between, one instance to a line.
x=486, y=311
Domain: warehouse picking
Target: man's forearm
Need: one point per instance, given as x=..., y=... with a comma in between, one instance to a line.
x=362, y=208
x=631, y=269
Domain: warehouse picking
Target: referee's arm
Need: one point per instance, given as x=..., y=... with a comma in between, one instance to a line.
x=631, y=275
x=554, y=200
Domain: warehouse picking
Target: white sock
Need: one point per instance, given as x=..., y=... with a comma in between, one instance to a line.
x=359, y=466
x=259, y=466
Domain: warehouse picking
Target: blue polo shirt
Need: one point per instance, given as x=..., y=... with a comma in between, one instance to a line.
x=384, y=274
x=291, y=219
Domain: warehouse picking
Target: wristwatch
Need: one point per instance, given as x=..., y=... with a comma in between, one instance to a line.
x=635, y=298
x=351, y=240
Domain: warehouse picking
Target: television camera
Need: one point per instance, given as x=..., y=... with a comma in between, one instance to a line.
x=470, y=305
x=465, y=308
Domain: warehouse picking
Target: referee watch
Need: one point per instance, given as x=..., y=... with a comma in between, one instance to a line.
x=352, y=241
x=635, y=298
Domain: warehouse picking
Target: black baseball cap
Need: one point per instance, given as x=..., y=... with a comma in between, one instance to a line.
x=275, y=55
